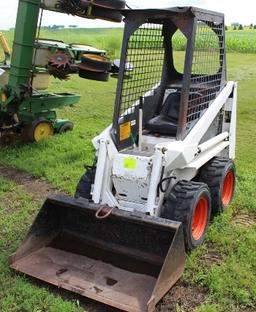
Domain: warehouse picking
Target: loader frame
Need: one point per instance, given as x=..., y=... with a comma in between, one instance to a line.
x=180, y=158
x=206, y=125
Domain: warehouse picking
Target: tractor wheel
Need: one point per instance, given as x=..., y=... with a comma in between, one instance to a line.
x=220, y=175
x=93, y=75
x=84, y=186
x=190, y=203
x=96, y=62
x=39, y=130
x=67, y=126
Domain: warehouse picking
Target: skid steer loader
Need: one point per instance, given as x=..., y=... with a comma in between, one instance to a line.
x=162, y=169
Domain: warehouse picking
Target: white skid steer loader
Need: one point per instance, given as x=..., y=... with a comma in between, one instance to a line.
x=162, y=169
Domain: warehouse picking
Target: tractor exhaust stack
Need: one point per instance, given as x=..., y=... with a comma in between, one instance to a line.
x=127, y=260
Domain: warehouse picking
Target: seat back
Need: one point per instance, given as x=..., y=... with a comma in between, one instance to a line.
x=171, y=107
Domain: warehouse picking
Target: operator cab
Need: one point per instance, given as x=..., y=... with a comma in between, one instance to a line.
x=171, y=88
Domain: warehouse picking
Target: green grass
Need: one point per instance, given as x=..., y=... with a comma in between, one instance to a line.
x=57, y=159
x=230, y=284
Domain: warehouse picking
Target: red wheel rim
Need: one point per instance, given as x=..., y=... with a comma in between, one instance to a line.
x=200, y=217
x=228, y=188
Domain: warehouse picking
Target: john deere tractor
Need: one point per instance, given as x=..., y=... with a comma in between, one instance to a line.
x=25, y=111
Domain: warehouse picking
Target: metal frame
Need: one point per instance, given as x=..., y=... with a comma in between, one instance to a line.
x=181, y=156
x=166, y=157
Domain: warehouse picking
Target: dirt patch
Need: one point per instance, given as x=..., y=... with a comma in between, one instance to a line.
x=37, y=188
x=182, y=297
x=212, y=257
x=244, y=219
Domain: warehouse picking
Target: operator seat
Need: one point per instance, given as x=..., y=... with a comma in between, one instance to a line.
x=166, y=122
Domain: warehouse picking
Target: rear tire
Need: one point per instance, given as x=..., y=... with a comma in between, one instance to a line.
x=67, y=126
x=40, y=129
x=96, y=62
x=220, y=176
x=190, y=203
x=84, y=186
x=93, y=75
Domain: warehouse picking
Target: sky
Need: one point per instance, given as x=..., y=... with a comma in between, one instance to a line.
x=243, y=12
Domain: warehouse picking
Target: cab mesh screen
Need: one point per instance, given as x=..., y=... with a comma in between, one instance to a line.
x=207, y=69
x=145, y=54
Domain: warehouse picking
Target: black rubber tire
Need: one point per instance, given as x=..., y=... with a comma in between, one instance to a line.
x=29, y=130
x=181, y=205
x=92, y=75
x=110, y=4
x=213, y=174
x=96, y=62
x=83, y=189
x=67, y=126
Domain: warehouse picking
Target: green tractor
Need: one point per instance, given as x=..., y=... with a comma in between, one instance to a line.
x=27, y=112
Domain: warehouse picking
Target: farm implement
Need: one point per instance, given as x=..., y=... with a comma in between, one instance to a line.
x=162, y=169
x=27, y=112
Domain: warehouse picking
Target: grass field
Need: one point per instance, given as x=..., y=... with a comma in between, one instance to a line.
x=224, y=268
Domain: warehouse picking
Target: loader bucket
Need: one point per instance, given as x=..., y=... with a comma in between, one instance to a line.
x=128, y=260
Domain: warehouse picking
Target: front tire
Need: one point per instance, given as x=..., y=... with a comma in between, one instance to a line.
x=190, y=203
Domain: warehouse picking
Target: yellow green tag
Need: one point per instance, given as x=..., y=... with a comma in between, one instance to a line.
x=130, y=163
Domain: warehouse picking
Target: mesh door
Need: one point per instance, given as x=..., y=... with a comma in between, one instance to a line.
x=207, y=69
x=146, y=54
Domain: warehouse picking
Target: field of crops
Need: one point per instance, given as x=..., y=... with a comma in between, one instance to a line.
x=242, y=41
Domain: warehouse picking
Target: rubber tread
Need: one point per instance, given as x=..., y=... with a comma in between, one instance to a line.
x=213, y=174
x=180, y=205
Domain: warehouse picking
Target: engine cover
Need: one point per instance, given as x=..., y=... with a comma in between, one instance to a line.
x=131, y=177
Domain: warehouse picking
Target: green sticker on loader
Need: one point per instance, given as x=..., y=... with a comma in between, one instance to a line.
x=130, y=163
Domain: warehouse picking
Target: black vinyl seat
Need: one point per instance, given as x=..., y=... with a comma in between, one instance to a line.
x=166, y=122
